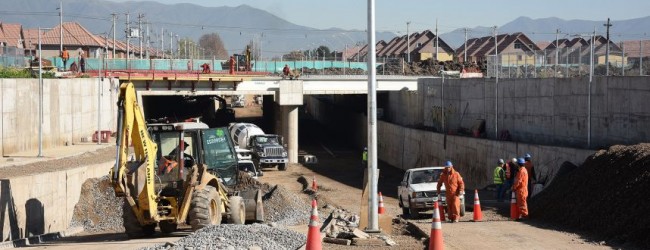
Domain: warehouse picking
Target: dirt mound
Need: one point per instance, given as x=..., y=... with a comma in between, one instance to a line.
x=606, y=197
x=98, y=210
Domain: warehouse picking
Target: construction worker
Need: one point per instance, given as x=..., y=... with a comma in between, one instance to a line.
x=511, y=173
x=285, y=71
x=521, y=189
x=455, y=187
x=232, y=65
x=65, y=55
x=500, y=179
x=364, y=158
x=532, y=179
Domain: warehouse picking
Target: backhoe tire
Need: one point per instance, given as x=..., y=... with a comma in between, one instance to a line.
x=205, y=208
x=282, y=166
x=167, y=227
x=237, y=210
x=132, y=226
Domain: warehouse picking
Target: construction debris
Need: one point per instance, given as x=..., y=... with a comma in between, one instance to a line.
x=343, y=225
x=605, y=197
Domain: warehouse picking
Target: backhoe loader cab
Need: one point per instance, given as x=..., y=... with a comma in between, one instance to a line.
x=177, y=173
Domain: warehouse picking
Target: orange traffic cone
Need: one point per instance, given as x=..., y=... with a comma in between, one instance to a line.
x=381, y=209
x=313, y=235
x=514, y=211
x=442, y=211
x=313, y=184
x=478, y=215
x=435, y=240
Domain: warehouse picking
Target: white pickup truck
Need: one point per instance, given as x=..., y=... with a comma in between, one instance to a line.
x=417, y=191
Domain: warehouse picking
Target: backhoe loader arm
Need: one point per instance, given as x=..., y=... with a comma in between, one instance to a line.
x=127, y=176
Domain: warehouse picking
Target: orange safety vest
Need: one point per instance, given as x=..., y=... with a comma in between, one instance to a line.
x=65, y=54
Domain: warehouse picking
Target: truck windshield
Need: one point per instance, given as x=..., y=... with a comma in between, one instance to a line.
x=425, y=176
x=266, y=140
x=220, y=154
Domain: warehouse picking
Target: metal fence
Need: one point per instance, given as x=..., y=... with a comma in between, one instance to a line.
x=565, y=62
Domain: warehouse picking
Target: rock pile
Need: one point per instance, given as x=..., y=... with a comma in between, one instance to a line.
x=342, y=227
x=98, y=210
x=606, y=197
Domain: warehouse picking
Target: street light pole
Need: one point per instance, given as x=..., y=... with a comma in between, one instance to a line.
x=40, y=95
x=373, y=225
x=408, y=43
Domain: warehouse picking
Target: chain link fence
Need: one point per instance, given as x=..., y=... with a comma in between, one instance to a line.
x=566, y=62
x=13, y=57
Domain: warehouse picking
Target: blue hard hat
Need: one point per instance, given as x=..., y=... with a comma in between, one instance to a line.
x=521, y=161
x=527, y=156
x=448, y=164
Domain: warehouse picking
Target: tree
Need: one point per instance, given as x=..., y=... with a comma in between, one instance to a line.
x=213, y=46
x=296, y=55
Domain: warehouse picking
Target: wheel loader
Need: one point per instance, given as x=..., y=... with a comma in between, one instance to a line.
x=176, y=173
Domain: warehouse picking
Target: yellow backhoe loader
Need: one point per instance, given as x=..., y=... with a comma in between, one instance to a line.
x=177, y=173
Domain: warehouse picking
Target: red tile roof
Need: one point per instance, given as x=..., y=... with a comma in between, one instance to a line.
x=632, y=48
x=73, y=35
x=31, y=38
x=10, y=34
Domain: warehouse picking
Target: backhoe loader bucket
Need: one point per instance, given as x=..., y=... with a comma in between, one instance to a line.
x=254, y=206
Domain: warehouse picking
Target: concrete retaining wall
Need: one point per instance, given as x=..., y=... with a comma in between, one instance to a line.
x=42, y=203
x=475, y=158
x=540, y=111
x=69, y=113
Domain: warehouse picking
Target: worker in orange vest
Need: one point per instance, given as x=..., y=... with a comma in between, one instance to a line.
x=532, y=179
x=232, y=65
x=454, y=188
x=65, y=56
x=521, y=189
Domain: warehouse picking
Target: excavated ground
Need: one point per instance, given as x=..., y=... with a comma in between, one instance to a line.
x=606, y=197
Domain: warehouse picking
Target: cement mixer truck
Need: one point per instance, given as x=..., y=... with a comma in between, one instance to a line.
x=266, y=149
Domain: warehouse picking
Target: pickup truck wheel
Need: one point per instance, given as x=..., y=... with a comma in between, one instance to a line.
x=405, y=212
x=282, y=167
x=205, y=208
x=414, y=212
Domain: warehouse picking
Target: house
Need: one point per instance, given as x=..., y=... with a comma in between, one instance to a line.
x=420, y=45
x=513, y=49
x=635, y=50
x=11, y=40
x=578, y=51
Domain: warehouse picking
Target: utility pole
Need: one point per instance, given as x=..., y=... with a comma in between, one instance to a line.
x=437, y=45
x=373, y=221
x=114, y=46
x=408, y=43
x=61, y=27
x=465, y=51
x=608, y=24
x=496, y=86
x=140, y=16
x=128, y=36
x=148, y=40
x=591, y=76
x=162, y=42
x=557, y=51
x=640, y=57
x=622, y=58
x=171, y=45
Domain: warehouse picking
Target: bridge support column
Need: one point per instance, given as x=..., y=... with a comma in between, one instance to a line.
x=289, y=98
x=290, y=131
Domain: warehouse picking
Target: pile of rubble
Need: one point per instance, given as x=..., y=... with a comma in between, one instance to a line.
x=605, y=197
x=255, y=236
x=342, y=227
x=98, y=209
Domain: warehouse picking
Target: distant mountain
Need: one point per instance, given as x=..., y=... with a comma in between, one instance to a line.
x=237, y=26
x=544, y=29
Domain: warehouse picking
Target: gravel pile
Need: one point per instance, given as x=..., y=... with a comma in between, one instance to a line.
x=226, y=236
x=285, y=208
x=98, y=210
x=606, y=197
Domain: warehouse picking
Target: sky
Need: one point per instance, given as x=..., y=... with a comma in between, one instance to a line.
x=392, y=15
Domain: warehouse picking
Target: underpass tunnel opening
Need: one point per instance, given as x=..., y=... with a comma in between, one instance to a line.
x=210, y=109
x=338, y=120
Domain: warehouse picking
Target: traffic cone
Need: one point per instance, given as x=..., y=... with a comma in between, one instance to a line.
x=442, y=211
x=381, y=209
x=313, y=235
x=478, y=215
x=514, y=211
x=313, y=184
x=435, y=240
